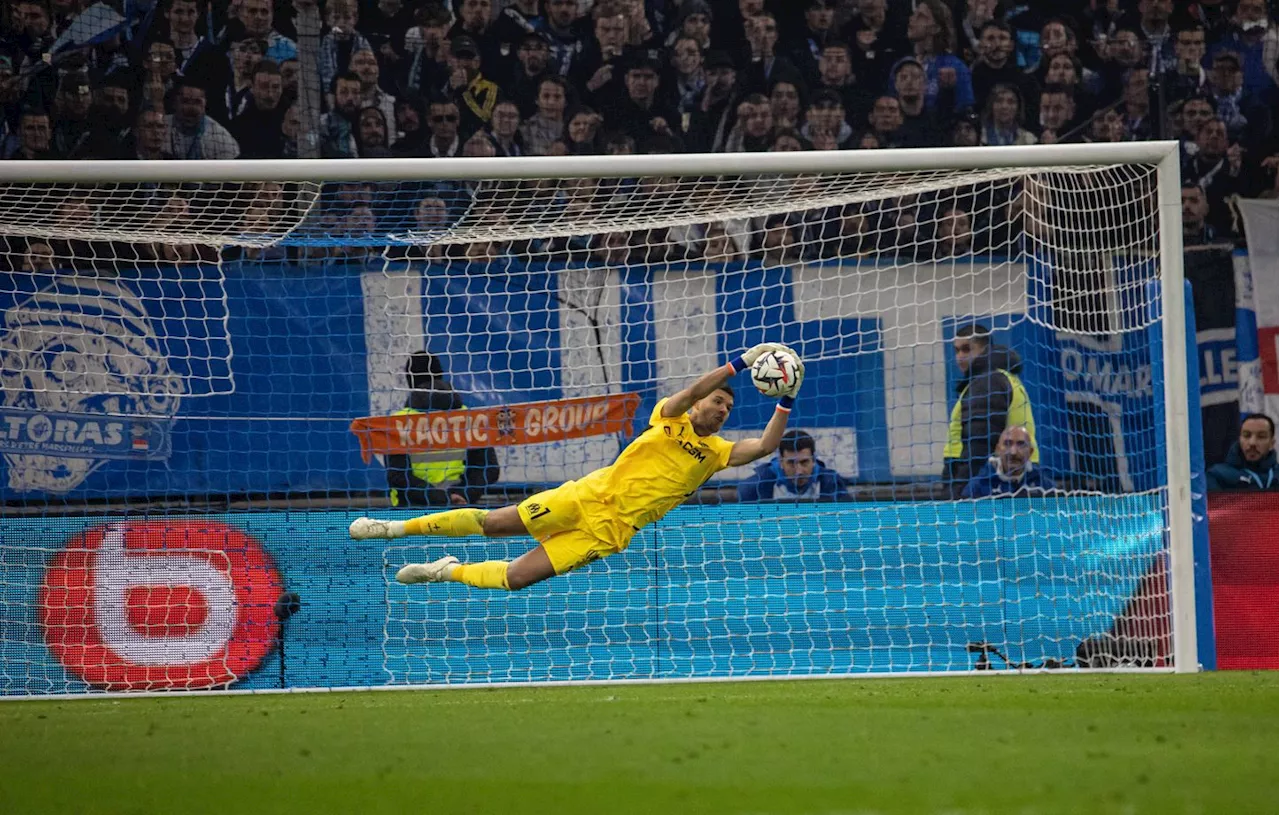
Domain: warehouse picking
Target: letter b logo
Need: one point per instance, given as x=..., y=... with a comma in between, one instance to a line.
x=160, y=604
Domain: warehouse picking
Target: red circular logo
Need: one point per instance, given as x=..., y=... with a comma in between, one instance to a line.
x=150, y=605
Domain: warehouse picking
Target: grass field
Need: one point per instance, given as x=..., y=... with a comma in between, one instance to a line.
x=1082, y=744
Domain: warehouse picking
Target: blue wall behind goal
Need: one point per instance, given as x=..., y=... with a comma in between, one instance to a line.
x=251, y=372
x=763, y=590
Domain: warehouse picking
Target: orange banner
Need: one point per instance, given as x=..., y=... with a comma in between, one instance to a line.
x=528, y=423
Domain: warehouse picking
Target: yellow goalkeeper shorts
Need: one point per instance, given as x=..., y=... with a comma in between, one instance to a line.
x=572, y=526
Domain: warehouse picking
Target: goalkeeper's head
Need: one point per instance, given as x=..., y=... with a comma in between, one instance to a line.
x=710, y=412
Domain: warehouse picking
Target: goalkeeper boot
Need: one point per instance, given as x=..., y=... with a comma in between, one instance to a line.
x=364, y=528
x=437, y=571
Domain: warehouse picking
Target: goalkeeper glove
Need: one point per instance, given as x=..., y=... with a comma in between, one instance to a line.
x=750, y=356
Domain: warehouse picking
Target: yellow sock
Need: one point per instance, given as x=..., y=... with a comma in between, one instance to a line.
x=492, y=574
x=456, y=523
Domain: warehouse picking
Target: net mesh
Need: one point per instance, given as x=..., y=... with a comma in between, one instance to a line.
x=172, y=350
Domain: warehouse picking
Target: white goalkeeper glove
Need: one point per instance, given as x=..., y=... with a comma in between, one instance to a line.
x=750, y=356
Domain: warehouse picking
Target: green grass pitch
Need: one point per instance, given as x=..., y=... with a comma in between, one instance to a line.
x=1202, y=743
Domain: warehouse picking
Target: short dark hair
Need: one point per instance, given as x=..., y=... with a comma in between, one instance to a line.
x=796, y=441
x=975, y=331
x=1271, y=424
x=727, y=388
x=345, y=76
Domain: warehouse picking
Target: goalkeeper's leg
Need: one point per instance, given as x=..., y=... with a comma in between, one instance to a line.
x=529, y=568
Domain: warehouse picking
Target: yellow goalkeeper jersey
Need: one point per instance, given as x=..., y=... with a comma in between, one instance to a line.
x=662, y=467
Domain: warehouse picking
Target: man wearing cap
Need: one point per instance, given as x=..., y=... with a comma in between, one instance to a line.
x=474, y=93
x=709, y=124
x=640, y=111
x=71, y=117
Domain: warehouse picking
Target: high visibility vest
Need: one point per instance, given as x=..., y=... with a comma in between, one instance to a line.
x=441, y=468
x=1019, y=414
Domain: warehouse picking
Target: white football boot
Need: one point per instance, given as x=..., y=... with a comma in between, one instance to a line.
x=437, y=571
x=365, y=528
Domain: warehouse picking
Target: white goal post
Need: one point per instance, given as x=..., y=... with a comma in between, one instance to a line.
x=554, y=278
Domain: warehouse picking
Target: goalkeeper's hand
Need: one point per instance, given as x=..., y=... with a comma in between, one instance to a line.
x=750, y=356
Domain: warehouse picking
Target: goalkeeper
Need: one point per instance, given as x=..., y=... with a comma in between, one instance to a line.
x=595, y=516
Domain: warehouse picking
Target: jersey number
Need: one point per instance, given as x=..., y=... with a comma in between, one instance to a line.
x=539, y=513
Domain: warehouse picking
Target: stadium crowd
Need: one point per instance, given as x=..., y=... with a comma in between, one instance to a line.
x=159, y=79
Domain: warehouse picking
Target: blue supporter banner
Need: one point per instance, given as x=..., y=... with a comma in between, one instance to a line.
x=251, y=372
x=758, y=590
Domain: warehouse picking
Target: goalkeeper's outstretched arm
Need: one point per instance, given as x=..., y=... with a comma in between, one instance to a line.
x=746, y=451
x=708, y=383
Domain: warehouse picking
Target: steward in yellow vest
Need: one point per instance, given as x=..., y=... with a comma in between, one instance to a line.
x=441, y=478
x=991, y=398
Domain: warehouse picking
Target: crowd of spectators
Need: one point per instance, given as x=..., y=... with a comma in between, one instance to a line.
x=191, y=79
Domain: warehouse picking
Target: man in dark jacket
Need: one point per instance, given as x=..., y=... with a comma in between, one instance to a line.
x=449, y=477
x=991, y=398
x=1011, y=471
x=794, y=474
x=1251, y=461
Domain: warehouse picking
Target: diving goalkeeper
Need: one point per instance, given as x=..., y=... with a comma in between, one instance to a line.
x=596, y=516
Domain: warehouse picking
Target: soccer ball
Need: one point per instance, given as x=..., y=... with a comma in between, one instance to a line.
x=774, y=373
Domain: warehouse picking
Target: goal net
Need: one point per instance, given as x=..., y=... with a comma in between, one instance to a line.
x=206, y=378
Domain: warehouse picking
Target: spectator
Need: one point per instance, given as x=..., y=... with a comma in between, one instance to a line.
x=786, y=103
x=687, y=80
x=258, y=129
x=258, y=20
x=639, y=110
x=835, y=72
x=150, y=137
x=412, y=132
x=954, y=236
x=990, y=398
x=1107, y=126
x=428, y=71
x=794, y=474
x=976, y=14
x=385, y=26
x=1248, y=118
x=520, y=19
x=35, y=137
x=876, y=42
x=475, y=23
x=1187, y=78
x=597, y=70
x=1066, y=72
x=532, y=65
x=778, y=243
x=1248, y=34
x=364, y=64
x=193, y=134
x=886, y=122
x=1153, y=24
x=159, y=72
x=693, y=21
x=1195, y=211
x=443, y=120
x=1195, y=112
x=1057, y=113
x=245, y=54
x=546, y=125
x=504, y=129
x=340, y=43
x=921, y=125
x=965, y=131
x=437, y=479
x=711, y=123
x=338, y=126
x=474, y=93
x=753, y=132
x=582, y=134
x=1137, y=105
x=995, y=66
x=1012, y=471
x=718, y=246
x=825, y=120
x=196, y=56
x=765, y=65
x=786, y=141
x=948, y=86
x=808, y=43
x=1217, y=167
x=565, y=33
x=1251, y=461
x=1123, y=53
x=371, y=134
x=71, y=123
x=111, y=117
